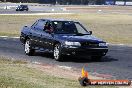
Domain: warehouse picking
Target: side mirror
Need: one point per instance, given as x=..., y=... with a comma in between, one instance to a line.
x=25, y=26
x=90, y=32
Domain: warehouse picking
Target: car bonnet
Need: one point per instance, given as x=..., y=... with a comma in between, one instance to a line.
x=79, y=38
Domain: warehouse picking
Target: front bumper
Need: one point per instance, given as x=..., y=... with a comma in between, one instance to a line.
x=85, y=51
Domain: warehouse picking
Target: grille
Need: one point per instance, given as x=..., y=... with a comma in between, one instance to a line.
x=90, y=44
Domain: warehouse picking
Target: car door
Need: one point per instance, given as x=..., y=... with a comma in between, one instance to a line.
x=47, y=38
x=32, y=35
x=36, y=33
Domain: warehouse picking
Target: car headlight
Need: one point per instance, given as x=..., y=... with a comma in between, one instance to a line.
x=102, y=44
x=72, y=43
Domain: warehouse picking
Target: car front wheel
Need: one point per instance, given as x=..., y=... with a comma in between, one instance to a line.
x=57, y=52
x=28, y=49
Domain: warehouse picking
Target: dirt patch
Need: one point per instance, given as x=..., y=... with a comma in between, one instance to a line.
x=64, y=72
x=60, y=71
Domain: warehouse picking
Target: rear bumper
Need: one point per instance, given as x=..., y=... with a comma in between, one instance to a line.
x=101, y=51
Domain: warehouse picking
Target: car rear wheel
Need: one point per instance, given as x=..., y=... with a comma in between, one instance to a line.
x=57, y=52
x=28, y=49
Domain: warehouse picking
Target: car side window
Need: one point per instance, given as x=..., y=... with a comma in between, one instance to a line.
x=40, y=25
x=80, y=29
x=48, y=27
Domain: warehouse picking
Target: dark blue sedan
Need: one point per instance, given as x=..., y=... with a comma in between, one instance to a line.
x=62, y=37
x=22, y=8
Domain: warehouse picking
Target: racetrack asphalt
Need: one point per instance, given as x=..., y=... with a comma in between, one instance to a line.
x=117, y=64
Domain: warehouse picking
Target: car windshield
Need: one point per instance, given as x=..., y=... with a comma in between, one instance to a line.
x=22, y=6
x=69, y=27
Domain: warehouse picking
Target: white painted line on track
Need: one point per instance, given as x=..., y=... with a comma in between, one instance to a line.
x=16, y=37
x=116, y=44
x=121, y=44
x=3, y=36
x=9, y=37
x=36, y=63
x=65, y=67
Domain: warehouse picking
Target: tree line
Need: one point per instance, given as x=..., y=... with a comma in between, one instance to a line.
x=65, y=2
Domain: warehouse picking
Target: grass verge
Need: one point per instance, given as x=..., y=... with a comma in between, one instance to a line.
x=17, y=74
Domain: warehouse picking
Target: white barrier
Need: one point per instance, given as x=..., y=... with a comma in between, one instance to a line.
x=9, y=7
x=122, y=3
x=119, y=3
x=128, y=3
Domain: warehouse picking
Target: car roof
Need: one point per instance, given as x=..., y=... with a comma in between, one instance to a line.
x=23, y=5
x=55, y=19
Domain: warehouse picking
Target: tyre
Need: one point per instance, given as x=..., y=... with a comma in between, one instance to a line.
x=28, y=49
x=96, y=58
x=57, y=52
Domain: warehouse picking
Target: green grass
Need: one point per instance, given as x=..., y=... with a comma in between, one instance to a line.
x=21, y=75
x=114, y=28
